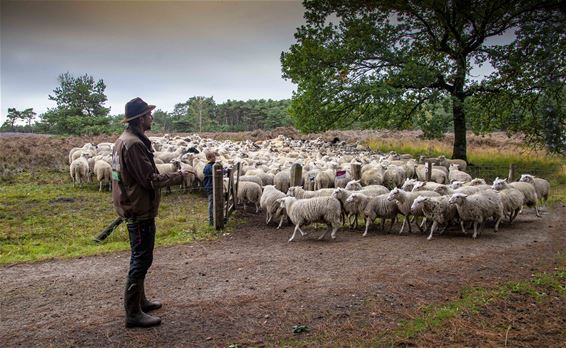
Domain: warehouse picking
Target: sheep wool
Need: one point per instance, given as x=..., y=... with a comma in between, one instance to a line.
x=477, y=208
x=307, y=211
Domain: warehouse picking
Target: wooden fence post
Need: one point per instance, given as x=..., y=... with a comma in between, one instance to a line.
x=511, y=172
x=218, y=195
x=428, y=170
x=356, y=170
x=296, y=175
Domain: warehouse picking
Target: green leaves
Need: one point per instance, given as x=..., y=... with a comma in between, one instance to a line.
x=375, y=64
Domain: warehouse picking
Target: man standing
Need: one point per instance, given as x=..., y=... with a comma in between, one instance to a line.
x=136, y=195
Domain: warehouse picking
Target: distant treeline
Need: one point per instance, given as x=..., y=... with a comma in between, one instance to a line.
x=80, y=111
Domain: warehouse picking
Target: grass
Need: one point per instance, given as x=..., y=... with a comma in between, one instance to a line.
x=52, y=219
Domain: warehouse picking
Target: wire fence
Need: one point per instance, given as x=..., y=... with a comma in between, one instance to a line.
x=489, y=173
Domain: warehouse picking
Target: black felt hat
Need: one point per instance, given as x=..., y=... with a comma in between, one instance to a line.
x=136, y=108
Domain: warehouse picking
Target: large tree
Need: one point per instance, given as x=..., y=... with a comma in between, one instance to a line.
x=80, y=106
x=380, y=62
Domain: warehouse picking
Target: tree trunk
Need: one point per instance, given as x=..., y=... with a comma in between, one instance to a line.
x=460, y=146
x=459, y=117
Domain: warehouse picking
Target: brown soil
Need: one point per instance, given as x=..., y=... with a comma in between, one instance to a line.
x=251, y=287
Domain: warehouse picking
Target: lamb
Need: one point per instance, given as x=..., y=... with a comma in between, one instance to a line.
x=528, y=190
x=375, y=207
x=172, y=167
x=79, y=170
x=306, y=211
x=511, y=198
x=436, y=209
x=249, y=192
x=477, y=208
x=268, y=204
x=542, y=186
x=103, y=172
x=404, y=201
x=455, y=174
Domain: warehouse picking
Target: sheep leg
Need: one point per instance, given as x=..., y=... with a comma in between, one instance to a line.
x=393, y=221
x=537, y=210
x=434, y=224
x=497, y=224
x=462, y=225
x=403, y=225
x=325, y=232
x=333, y=234
x=100, y=187
x=475, y=230
x=267, y=218
x=257, y=208
x=281, y=222
x=294, y=233
x=368, y=222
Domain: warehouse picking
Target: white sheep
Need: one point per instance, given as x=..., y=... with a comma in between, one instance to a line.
x=282, y=180
x=372, y=176
x=511, y=198
x=531, y=198
x=353, y=185
x=454, y=174
x=103, y=172
x=268, y=203
x=477, y=208
x=249, y=192
x=542, y=186
x=324, y=179
x=376, y=207
x=443, y=161
x=342, y=178
x=436, y=209
x=300, y=193
x=394, y=176
x=349, y=209
x=79, y=170
x=166, y=168
x=307, y=211
x=437, y=175
x=252, y=178
x=404, y=201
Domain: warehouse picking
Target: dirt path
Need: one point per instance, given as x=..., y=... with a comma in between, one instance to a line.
x=252, y=286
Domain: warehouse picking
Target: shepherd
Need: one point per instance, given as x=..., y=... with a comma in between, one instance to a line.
x=136, y=187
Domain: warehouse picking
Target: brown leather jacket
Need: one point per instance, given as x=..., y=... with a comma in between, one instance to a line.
x=135, y=179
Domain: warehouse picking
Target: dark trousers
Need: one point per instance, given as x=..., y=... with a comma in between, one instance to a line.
x=142, y=241
x=210, y=211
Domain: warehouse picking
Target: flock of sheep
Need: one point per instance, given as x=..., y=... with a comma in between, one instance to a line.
x=388, y=186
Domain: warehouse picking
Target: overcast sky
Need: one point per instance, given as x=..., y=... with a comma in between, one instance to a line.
x=162, y=51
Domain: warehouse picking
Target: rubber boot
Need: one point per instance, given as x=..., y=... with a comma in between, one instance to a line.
x=145, y=304
x=134, y=315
